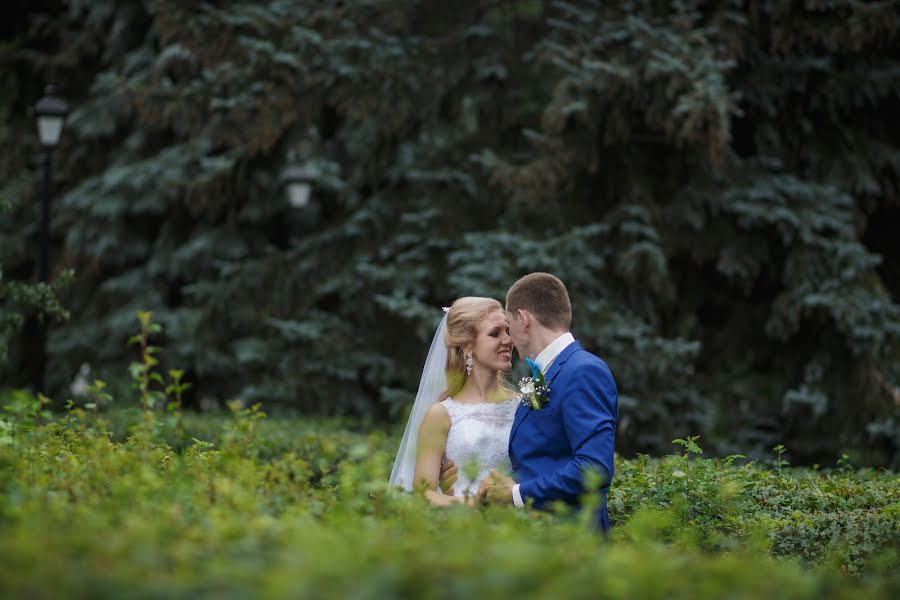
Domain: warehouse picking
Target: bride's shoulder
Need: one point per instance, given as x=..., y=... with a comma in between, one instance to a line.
x=437, y=417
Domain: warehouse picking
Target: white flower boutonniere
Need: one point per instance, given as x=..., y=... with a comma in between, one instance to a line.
x=535, y=391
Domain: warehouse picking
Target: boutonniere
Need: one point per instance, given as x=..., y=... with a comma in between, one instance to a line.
x=535, y=391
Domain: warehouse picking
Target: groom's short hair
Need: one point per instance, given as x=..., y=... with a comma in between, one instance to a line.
x=544, y=296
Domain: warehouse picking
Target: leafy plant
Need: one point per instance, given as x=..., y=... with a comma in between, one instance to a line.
x=143, y=372
x=175, y=389
x=98, y=397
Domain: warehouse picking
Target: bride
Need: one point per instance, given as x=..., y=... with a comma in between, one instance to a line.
x=464, y=408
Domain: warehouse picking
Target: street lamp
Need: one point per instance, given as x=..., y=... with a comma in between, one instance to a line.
x=51, y=114
x=298, y=183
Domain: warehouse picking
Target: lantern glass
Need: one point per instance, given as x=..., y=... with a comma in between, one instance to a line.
x=298, y=193
x=50, y=129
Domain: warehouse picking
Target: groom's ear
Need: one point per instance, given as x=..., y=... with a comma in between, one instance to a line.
x=525, y=317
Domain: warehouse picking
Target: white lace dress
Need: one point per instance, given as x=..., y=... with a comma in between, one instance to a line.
x=478, y=440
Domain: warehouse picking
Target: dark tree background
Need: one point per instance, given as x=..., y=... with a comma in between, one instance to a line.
x=716, y=182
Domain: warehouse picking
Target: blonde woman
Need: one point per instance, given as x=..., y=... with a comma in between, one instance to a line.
x=464, y=409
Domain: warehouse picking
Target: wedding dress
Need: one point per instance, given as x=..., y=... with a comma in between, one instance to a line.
x=478, y=440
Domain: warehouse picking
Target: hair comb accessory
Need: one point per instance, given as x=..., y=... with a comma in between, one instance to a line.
x=446, y=308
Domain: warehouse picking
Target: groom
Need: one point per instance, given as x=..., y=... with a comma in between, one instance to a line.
x=552, y=447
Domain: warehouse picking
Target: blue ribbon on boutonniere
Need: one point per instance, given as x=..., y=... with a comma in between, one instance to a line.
x=535, y=369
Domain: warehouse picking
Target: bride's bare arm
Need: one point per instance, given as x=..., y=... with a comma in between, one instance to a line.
x=432, y=442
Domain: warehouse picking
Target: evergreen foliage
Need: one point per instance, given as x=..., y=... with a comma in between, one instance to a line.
x=715, y=182
x=19, y=300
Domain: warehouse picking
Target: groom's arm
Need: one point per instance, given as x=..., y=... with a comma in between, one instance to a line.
x=589, y=417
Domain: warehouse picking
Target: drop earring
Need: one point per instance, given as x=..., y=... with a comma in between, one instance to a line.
x=469, y=363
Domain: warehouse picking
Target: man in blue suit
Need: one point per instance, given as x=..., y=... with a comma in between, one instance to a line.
x=573, y=431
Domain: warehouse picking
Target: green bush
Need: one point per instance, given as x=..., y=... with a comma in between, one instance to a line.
x=815, y=516
x=150, y=505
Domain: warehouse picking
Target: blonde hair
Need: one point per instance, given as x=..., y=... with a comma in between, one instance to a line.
x=465, y=315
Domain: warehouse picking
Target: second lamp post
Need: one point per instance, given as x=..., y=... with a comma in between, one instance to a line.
x=51, y=114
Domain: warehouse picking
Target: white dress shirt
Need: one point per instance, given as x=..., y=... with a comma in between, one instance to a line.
x=544, y=360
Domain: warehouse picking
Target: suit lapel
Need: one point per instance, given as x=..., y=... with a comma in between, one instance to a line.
x=523, y=410
x=558, y=364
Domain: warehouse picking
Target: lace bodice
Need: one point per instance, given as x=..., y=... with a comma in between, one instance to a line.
x=478, y=440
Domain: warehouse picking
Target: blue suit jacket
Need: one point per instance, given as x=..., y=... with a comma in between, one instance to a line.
x=551, y=448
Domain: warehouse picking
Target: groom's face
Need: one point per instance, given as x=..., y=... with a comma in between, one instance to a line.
x=517, y=333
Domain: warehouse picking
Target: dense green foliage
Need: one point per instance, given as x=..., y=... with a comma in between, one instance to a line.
x=128, y=504
x=715, y=181
x=19, y=300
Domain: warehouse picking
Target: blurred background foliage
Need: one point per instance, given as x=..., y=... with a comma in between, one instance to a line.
x=717, y=184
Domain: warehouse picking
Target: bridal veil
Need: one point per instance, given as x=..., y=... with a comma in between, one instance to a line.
x=431, y=384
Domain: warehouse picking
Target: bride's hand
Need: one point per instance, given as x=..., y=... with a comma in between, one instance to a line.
x=437, y=499
x=448, y=476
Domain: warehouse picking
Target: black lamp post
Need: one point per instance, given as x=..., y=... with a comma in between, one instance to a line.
x=51, y=114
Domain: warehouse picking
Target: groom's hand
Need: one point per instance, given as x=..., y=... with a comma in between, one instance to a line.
x=496, y=488
x=448, y=476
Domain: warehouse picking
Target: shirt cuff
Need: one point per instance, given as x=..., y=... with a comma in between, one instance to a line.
x=517, y=496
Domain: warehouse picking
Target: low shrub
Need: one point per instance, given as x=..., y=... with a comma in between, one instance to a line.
x=143, y=504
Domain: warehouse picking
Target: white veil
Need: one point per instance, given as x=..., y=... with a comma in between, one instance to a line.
x=432, y=383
